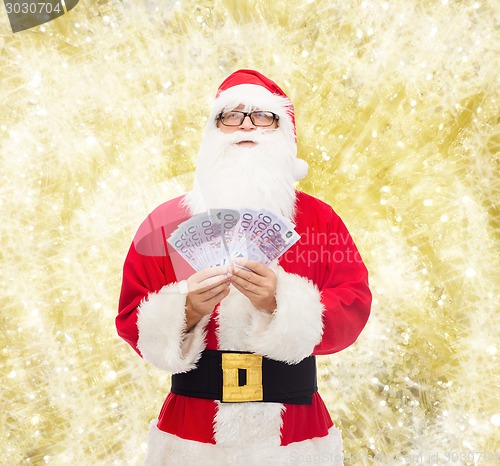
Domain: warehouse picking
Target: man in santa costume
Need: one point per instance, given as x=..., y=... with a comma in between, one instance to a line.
x=241, y=341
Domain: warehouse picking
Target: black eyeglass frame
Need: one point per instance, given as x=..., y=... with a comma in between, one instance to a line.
x=250, y=115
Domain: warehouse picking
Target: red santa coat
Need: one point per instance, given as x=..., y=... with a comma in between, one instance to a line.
x=323, y=302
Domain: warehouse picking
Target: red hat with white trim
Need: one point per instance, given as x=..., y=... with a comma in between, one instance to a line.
x=254, y=90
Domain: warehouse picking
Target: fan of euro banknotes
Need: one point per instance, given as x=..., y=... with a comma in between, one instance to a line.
x=220, y=236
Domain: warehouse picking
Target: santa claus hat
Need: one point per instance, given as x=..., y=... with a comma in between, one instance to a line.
x=255, y=91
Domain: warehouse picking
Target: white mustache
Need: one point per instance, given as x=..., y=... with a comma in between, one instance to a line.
x=240, y=136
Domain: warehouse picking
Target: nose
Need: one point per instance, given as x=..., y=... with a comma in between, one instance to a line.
x=247, y=124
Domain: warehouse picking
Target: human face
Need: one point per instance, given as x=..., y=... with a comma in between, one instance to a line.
x=246, y=126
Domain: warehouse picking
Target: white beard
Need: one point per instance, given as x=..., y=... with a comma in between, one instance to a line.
x=234, y=177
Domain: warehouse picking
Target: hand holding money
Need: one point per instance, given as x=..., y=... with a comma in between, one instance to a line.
x=257, y=282
x=206, y=288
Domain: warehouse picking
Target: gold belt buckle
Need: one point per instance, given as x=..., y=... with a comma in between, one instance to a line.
x=232, y=391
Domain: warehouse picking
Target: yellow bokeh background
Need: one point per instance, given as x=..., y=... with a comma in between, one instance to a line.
x=397, y=109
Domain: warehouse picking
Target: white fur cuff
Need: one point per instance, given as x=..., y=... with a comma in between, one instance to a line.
x=296, y=326
x=163, y=340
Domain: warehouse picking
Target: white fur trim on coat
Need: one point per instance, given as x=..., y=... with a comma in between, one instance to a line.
x=296, y=326
x=233, y=319
x=163, y=340
x=242, y=424
x=168, y=450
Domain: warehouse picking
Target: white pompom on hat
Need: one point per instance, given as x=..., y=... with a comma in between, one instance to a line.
x=253, y=90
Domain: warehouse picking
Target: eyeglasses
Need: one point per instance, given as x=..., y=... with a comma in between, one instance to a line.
x=258, y=118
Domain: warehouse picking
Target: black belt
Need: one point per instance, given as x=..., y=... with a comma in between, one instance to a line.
x=234, y=376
